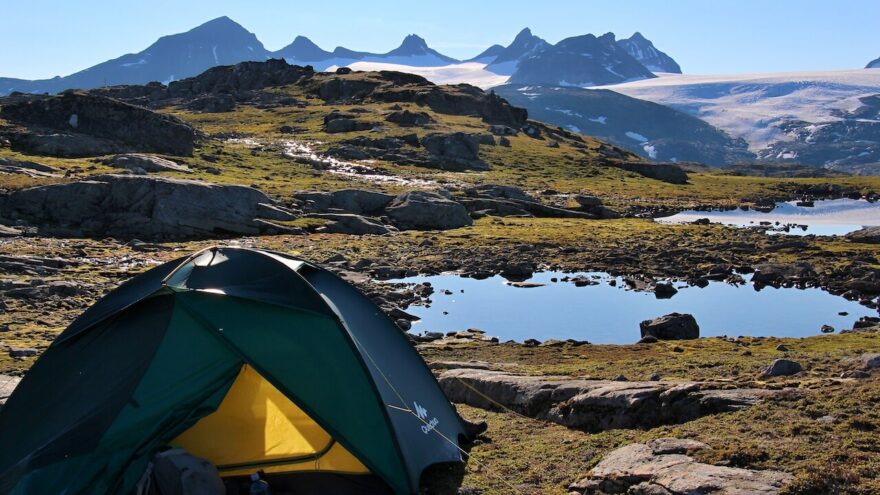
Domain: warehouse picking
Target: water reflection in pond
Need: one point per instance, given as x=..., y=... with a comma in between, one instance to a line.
x=827, y=217
x=608, y=314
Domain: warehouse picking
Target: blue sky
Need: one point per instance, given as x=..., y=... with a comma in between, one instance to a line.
x=43, y=38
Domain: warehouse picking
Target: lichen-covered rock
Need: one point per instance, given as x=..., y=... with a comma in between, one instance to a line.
x=137, y=162
x=144, y=207
x=662, y=467
x=423, y=210
x=595, y=405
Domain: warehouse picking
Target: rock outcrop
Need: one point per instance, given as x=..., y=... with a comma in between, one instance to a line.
x=144, y=207
x=78, y=124
x=143, y=163
x=664, y=172
x=595, y=405
x=674, y=326
x=865, y=235
x=422, y=210
x=662, y=467
x=23, y=167
x=455, y=151
x=779, y=274
x=357, y=201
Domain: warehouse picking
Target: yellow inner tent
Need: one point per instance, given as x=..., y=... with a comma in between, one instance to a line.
x=257, y=428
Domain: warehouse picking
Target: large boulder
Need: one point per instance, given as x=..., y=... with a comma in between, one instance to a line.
x=782, y=367
x=406, y=118
x=595, y=405
x=674, y=326
x=144, y=207
x=33, y=169
x=348, y=223
x=423, y=210
x=663, y=466
x=454, y=151
x=355, y=201
x=139, y=162
x=115, y=125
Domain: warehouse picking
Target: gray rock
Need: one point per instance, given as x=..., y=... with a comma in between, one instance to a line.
x=664, y=290
x=653, y=469
x=499, y=191
x=586, y=201
x=454, y=151
x=673, y=326
x=147, y=163
x=782, y=367
x=7, y=385
x=866, y=235
x=595, y=405
x=775, y=274
x=423, y=210
x=9, y=232
x=349, y=223
x=32, y=169
x=355, y=201
x=406, y=118
x=18, y=352
x=871, y=361
x=146, y=208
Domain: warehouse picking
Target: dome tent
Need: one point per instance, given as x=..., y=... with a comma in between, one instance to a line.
x=251, y=359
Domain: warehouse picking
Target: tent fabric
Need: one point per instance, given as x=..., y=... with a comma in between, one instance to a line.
x=182, y=346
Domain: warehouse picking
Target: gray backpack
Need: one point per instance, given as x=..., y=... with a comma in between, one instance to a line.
x=177, y=472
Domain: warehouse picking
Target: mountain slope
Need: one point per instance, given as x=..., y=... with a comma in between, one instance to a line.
x=581, y=61
x=874, y=64
x=525, y=44
x=303, y=49
x=648, y=55
x=488, y=55
x=647, y=129
x=217, y=42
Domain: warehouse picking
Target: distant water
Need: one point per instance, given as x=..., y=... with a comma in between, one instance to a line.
x=604, y=314
x=827, y=217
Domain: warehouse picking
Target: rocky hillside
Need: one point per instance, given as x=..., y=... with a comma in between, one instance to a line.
x=162, y=162
x=650, y=130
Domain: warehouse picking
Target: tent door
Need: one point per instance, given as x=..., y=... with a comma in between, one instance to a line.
x=256, y=427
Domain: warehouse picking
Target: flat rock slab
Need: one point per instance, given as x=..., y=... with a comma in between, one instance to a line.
x=662, y=466
x=595, y=405
x=7, y=385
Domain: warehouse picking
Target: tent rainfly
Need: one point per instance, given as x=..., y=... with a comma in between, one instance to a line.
x=251, y=359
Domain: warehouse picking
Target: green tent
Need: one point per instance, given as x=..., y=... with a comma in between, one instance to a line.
x=251, y=359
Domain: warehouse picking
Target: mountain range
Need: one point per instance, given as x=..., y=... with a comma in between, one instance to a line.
x=222, y=41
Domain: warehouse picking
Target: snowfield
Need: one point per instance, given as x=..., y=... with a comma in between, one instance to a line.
x=751, y=105
x=469, y=72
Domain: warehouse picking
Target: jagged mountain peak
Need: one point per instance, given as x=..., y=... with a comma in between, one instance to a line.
x=643, y=50
x=523, y=45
